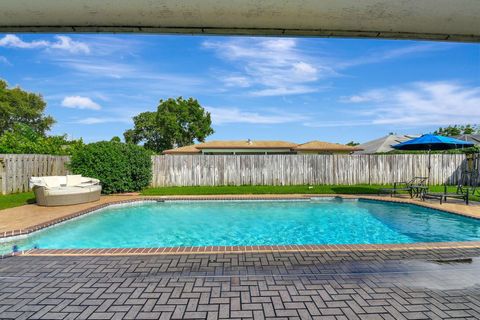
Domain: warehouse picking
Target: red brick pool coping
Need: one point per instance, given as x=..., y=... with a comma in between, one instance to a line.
x=239, y=249
x=250, y=249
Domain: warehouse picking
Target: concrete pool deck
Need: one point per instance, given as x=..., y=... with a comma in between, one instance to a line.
x=29, y=218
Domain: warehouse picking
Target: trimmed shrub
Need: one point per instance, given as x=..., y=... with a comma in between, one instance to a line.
x=120, y=167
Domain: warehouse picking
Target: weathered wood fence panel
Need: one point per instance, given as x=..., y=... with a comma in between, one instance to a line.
x=474, y=166
x=16, y=169
x=213, y=170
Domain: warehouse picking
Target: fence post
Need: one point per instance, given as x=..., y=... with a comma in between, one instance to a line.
x=3, y=176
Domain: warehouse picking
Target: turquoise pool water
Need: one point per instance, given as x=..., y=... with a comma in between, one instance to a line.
x=215, y=223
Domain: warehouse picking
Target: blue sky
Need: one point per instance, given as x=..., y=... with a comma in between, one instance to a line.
x=294, y=89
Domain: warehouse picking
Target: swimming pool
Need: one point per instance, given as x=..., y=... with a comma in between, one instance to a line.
x=245, y=223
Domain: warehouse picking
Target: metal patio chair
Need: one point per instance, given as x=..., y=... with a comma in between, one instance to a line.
x=415, y=187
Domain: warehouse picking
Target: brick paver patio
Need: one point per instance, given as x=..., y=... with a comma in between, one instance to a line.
x=418, y=284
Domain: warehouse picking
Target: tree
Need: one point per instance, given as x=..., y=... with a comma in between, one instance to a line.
x=457, y=130
x=145, y=129
x=353, y=144
x=19, y=106
x=23, y=139
x=469, y=129
x=176, y=123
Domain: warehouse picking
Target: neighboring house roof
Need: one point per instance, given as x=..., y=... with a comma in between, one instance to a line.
x=383, y=144
x=261, y=144
x=246, y=144
x=475, y=138
x=325, y=146
x=182, y=150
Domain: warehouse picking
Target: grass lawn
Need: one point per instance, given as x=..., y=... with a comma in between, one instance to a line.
x=16, y=199
x=20, y=199
x=320, y=189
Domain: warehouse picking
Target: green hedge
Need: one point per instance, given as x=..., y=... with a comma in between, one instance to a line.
x=120, y=167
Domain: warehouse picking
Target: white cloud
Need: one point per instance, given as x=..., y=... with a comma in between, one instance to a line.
x=305, y=70
x=271, y=67
x=420, y=103
x=283, y=91
x=4, y=60
x=67, y=44
x=95, y=67
x=411, y=50
x=13, y=41
x=132, y=75
x=283, y=66
x=235, y=115
x=63, y=43
x=79, y=102
x=236, y=81
x=113, y=45
x=91, y=120
x=332, y=124
x=99, y=120
x=369, y=96
x=380, y=55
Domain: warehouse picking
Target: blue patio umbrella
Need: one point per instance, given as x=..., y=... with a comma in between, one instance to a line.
x=432, y=142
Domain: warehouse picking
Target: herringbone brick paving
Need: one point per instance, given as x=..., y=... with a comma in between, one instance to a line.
x=303, y=285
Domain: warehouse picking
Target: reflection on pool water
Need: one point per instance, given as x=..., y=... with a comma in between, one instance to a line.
x=219, y=223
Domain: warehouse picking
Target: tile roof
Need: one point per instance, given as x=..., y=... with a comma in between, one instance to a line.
x=261, y=144
x=324, y=146
x=180, y=150
x=475, y=138
x=384, y=144
x=246, y=144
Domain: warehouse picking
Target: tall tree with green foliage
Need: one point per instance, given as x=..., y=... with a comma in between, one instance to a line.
x=176, y=123
x=457, y=130
x=23, y=139
x=145, y=129
x=19, y=106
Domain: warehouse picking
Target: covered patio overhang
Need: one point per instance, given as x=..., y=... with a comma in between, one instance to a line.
x=445, y=20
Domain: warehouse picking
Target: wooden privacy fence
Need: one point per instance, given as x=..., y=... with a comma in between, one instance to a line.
x=217, y=170
x=475, y=165
x=16, y=169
